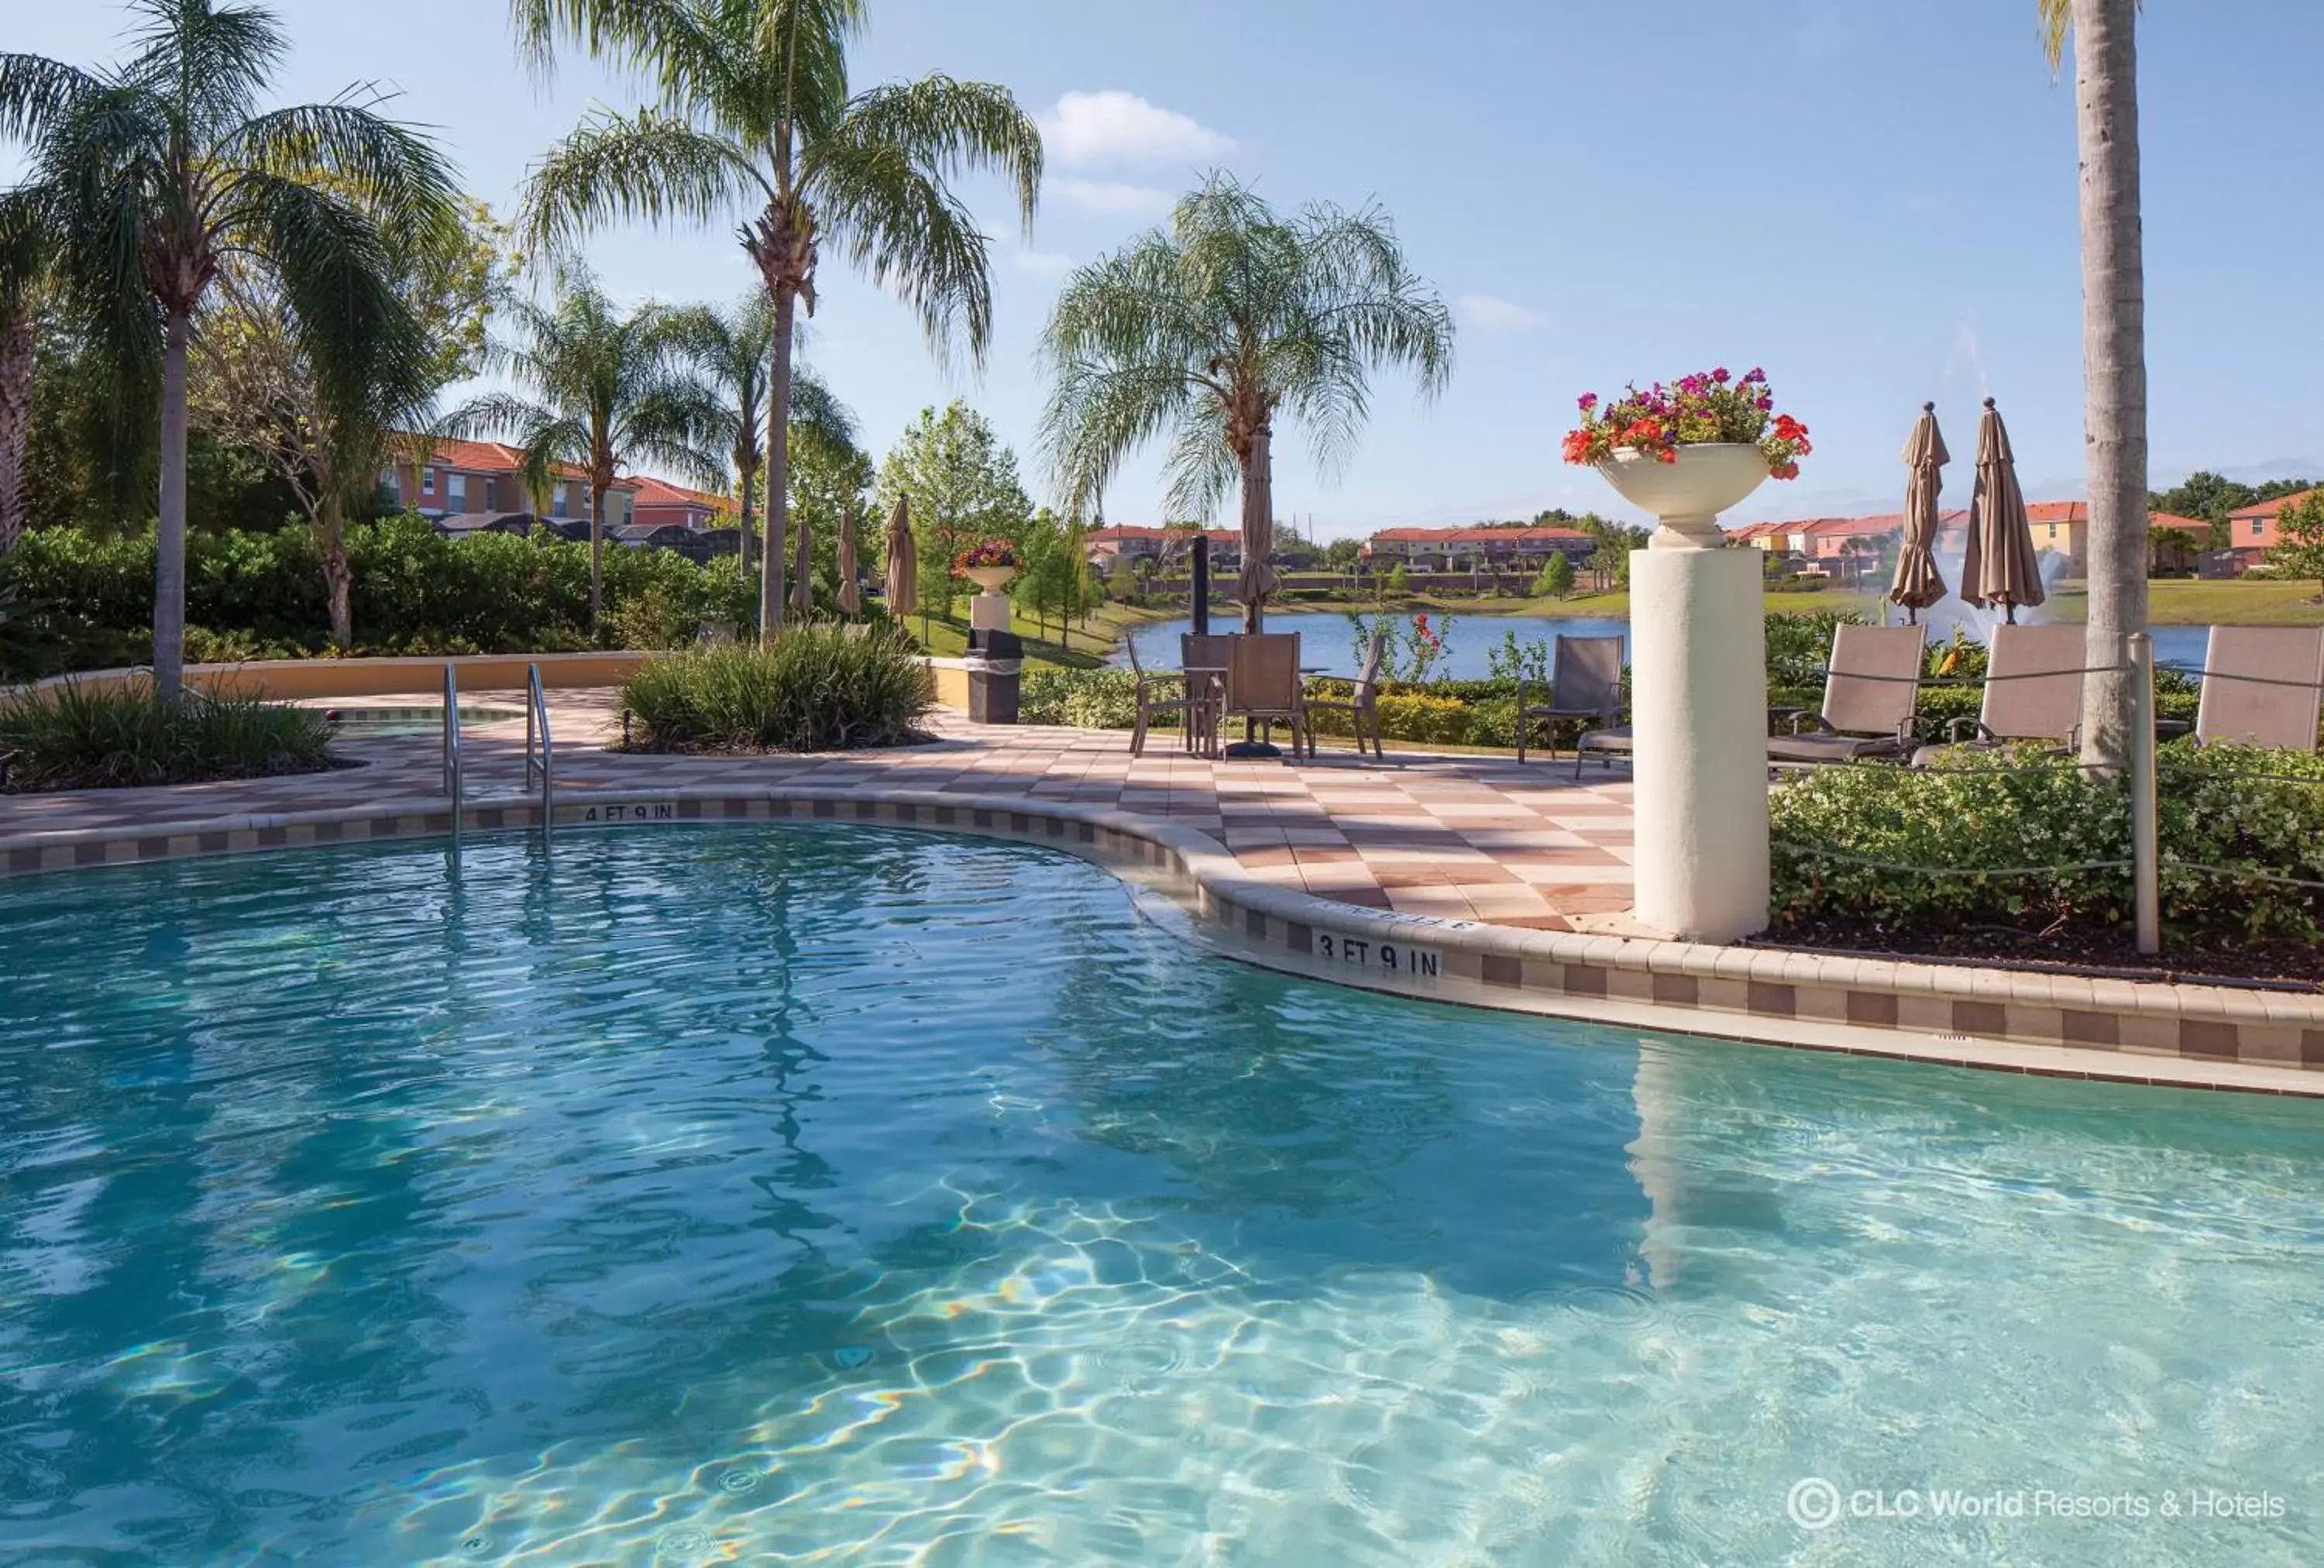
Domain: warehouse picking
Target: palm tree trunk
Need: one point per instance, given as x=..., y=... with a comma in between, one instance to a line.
x=2114, y=362
x=596, y=553
x=745, y=546
x=15, y=420
x=779, y=467
x=339, y=578
x=1258, y=506
x=170, y=539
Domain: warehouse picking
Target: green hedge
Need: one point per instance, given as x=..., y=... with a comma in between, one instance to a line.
x=815, y=688
x=79, y=736
x=86, y=603
x=2249, y=811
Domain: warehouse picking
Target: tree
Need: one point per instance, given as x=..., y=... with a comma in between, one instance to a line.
x=153, y=172
x=963, y=489
x=2114, y=350
x=1208, y=328
x=829, y=475
x=754, y=116
x=2204, y=495
x=1557, y=578
x=254, y=384
x=27, y=251
x=2301, y=552
x=609, y=388
x=1344, y=555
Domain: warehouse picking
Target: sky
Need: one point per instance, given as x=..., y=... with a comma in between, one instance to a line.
x=1872, y=199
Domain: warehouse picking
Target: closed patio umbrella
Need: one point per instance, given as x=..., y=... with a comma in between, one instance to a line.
x=802, y=571
x=2000, y=568
x=903, y=563
x=1918, y=584
x=850, y=602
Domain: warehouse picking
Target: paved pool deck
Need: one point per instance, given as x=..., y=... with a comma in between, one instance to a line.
x=1465, y=838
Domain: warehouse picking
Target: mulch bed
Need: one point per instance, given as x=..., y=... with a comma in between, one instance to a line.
x=2269, y=964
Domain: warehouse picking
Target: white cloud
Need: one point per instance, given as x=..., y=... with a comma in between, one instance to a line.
x=1490, y=313
x=1039, y=264
x=1110, y=197
x=1088, y=130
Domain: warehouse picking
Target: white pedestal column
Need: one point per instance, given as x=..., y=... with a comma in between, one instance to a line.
x=1698, y=712
x=989, y=611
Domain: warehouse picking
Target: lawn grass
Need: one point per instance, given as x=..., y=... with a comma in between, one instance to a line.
x=2189, y=602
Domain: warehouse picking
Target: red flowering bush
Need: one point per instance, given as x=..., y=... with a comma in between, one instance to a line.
x=1713, y=406
x=992, y=552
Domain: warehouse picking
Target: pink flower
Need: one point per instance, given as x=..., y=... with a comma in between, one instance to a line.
x=1589, y=401
x=1720, y=376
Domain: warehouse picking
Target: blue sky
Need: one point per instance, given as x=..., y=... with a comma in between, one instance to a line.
x=1873, y=198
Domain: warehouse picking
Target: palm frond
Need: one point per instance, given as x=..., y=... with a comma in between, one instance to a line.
x=913, y=235
x=945, y=128
x=816, y=408
x=648, y=165
x=208, y=61
x=396, y=173
x=36, y=91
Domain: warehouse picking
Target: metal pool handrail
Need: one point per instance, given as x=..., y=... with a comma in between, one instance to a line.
x=454, y=783
x=536, y=722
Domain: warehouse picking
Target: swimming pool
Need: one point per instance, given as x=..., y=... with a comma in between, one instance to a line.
x=701, y=1195
x=415, y=719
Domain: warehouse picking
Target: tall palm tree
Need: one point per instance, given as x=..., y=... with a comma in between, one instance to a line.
x=608, y=388
x=755, y=119
x=733, y=348
x=27, y=251
x=2113, y=348
x=1206, y=329
x=160, y=167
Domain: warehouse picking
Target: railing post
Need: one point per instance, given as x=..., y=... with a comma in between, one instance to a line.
x=2145, y=847
x=453, y=783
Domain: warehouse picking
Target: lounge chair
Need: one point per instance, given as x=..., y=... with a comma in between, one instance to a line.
x=1362, y=705
x=2262, y=687
x=1870, y=689
x=1169, y=691
x=2033, y=692
x=1263, y=682
x=1585, y=683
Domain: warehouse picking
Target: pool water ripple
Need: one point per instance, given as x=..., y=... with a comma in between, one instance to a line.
x=798, y=1194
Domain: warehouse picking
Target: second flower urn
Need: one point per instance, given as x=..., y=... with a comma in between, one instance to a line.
x=1687, y=489
x=992, y=579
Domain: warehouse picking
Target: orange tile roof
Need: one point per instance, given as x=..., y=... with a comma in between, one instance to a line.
x=1472, y=535
x=2262, y=511
x=653, y=492
x=2173, y=519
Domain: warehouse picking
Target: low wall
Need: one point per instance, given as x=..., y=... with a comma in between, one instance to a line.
x=293, y=679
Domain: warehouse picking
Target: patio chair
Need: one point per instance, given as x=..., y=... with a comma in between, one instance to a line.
x=1585, y=683
x=1202, y=656
x=1263, y=681
x=2261, y=687
x=1167, y=691
x=1362, y=705
x=2033, y=692
x=1869, y=690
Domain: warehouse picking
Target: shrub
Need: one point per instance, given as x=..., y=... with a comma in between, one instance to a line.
x=82, y=736
x=1986, y=813
x=813, y=689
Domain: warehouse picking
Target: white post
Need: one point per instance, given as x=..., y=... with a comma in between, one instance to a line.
x=1699, y=713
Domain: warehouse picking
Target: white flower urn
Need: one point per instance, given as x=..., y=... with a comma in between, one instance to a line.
x=1687, y=495
x=992, y=579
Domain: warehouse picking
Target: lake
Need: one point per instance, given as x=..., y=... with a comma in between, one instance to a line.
x=1328, y=642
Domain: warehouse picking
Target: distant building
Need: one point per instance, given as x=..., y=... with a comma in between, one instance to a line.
x=1126, y=545
x=657, y=503
x=2253, y=530
x=460, y=478
x=1458, y=550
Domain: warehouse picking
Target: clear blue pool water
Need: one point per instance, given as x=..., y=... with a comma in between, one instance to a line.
x=829, y=1195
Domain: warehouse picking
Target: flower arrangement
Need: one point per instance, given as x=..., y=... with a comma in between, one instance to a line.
x=990, y=553
x=1713, y=406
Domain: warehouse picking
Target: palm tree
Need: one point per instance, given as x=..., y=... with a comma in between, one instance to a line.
x=27, y=250
x=161, y=167
x=609, y=388
x=1206, y=329
x=733, y=348
x=2114, y=349
x=755, y=118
